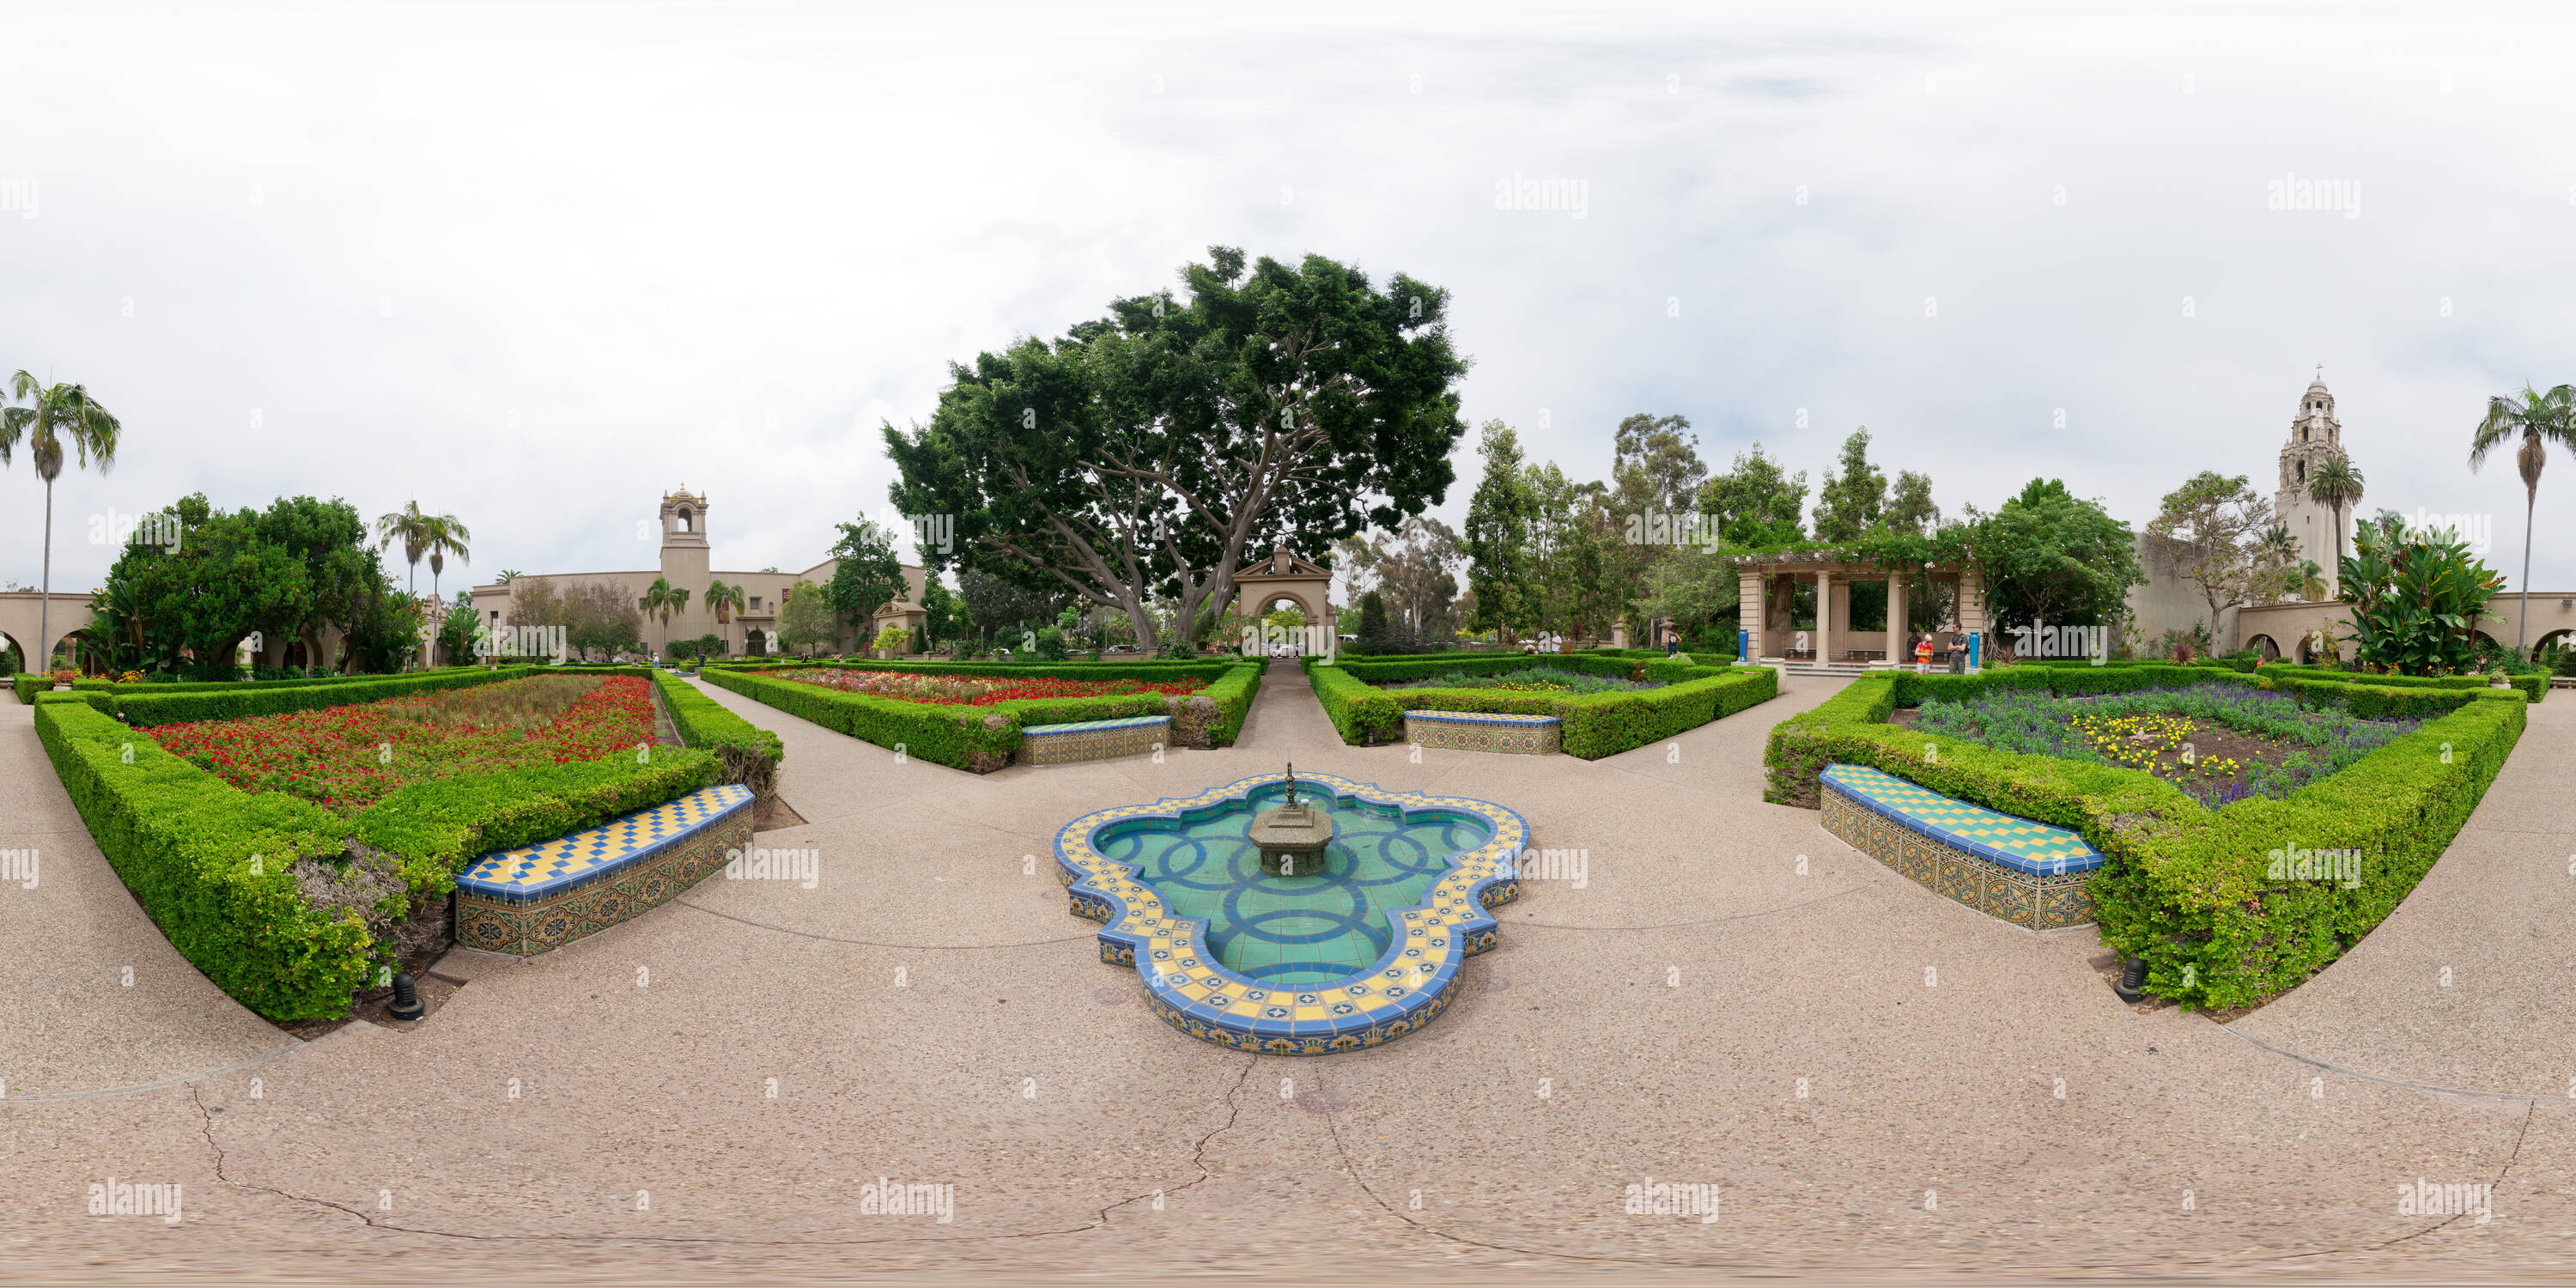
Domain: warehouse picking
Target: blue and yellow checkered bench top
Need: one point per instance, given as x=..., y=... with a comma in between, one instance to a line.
x=2015, y=843
x=1090, y=726
x=1480, y=717
x=534, y=871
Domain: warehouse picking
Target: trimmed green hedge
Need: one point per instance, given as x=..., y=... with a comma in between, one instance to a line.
x=956, y=736
x=2187, y=887
x=983, y=739
x=213, y=865
x=1594, y=725
x=749, y=753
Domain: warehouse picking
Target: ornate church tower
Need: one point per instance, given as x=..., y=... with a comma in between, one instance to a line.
x=2315, y=436
x=685, y=554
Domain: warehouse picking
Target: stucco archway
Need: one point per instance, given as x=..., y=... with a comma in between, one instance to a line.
x=2264, y=645
x=1280, y=575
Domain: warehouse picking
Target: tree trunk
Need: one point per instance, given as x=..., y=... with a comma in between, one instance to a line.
x=2530, y=498
x=45, y=596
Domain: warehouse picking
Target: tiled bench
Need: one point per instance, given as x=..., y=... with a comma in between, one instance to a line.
x=540, y=897
x=1058, y=744
x=1484, y=731
x=2029, y=874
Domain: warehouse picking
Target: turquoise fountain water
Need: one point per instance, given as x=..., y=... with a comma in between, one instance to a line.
x=1299, y=930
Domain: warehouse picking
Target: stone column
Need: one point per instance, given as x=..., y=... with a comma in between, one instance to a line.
x=1842, y=615
x=1824, y=616
x=1752, y=600
x=1896, y=610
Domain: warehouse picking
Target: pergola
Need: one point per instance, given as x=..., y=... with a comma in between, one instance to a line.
x=1768, y=582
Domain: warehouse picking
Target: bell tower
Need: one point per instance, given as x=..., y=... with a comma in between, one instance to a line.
x=685, y=554
x=2315, y=437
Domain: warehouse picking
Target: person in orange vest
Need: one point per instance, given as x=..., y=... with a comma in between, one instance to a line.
x=1923, y=655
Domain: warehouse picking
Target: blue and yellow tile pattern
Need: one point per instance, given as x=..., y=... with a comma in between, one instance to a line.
x=1192, y=991
x=1499, y=731
x=1058, y=744
x=540, y=897
x=2027, y=873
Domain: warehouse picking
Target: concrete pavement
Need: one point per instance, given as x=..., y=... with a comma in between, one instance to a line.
x=1874, y=1078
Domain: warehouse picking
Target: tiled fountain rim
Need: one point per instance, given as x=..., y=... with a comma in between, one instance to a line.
x=1405, y=989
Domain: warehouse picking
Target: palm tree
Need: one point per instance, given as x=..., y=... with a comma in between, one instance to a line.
x=445, y=537
x=2335, y=482
x=663, y=599
x=724, y=601
x=2538, y=418
x=2305, y=580
x=2279, y=550
x=52, y=414
x=433, y=535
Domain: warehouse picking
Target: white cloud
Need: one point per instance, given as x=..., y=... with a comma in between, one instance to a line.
x=720, y=246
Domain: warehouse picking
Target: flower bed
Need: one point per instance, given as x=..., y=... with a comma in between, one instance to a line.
x=1533, y=679
x=977, y=690
x=288, y=905
x=2218, y=742
x=2187, y=887
x=347, y=758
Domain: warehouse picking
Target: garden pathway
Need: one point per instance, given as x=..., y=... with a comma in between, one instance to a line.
x=1872, y=1075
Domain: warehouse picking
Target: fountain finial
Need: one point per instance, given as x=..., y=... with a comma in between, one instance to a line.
x=1292, y=784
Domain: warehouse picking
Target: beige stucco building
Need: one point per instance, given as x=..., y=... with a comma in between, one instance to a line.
x=688, y=562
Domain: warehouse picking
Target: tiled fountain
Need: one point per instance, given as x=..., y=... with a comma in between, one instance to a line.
x=1362, y=952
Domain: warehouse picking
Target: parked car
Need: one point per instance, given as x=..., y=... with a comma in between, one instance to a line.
x=1121, y=650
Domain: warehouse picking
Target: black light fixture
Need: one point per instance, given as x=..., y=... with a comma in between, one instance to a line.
x=406, y=1005
x=2132, y=987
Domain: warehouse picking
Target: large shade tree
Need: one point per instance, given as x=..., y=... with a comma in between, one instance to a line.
x=2536, y=418
x=1141, y=455
x=54, y=416
x=2051, y=557
x=868, y=576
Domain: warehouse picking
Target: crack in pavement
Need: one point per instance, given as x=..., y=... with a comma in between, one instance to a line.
x=1349, y=1169
x=1198, y=1159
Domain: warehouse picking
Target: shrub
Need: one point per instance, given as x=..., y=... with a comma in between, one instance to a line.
x=1594, y=725
x=750, y=754
x=2186, y=887
x=975, y=738
x=214, y=867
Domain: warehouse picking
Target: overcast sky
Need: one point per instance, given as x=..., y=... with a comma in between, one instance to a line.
x=535, y=265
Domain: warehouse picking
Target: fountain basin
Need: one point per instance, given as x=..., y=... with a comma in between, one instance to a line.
x=1361, y=953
